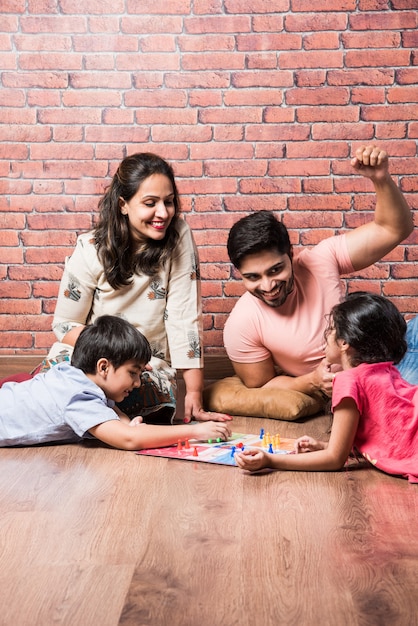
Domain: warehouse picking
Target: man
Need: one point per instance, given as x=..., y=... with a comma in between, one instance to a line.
x=274, y=334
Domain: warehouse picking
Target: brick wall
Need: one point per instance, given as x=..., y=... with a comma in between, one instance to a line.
x=257, y=104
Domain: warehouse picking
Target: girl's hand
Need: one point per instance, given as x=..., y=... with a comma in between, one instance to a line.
x=308, y=444
x=252, y=459
x=211, y=430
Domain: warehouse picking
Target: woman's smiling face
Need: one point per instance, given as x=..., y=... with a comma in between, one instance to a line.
x=151, y=209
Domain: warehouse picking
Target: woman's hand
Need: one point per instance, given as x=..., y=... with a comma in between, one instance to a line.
x=193, y=409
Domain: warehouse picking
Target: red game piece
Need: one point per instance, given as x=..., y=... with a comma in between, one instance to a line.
x=179, y=445
x=187, y=444
x=195, y=452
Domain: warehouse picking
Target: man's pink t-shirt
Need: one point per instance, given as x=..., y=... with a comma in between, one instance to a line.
x=292, y=334
x=387, y=433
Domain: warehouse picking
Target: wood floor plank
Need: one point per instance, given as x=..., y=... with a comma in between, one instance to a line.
x=91, y=535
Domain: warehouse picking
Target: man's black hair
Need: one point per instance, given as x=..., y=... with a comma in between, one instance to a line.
x=257, y=232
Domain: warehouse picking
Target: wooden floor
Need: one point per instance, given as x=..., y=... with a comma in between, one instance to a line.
x=94, y=536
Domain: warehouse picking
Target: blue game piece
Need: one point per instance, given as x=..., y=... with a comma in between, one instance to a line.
x=271, y=448
x=261, y=433
x=232, y=450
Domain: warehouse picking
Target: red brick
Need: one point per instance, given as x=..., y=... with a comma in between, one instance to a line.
x=371, y=39
x=310, y=78
x=18, y=340
x=270, y=185
x=367, y=95
x=387, y=20
x=215, y=60
x=233, y=115
x=377, y=58
x=269, y=79
x=152, y=24
x=352, y=132
x=261, y=61
x=322, y=5
x=375, y=76
x=315, y=21
x=407, y=76
x=263, y=42
x=321, y=41
x=310, y=59
x=205, y=98
x=254, y=202
x=386, y=113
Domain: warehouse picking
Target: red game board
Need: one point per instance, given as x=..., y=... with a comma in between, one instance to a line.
x=221, y=452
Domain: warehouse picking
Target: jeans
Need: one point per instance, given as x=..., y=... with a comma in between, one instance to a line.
x=408, y=367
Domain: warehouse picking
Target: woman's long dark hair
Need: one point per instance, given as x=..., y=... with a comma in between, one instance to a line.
x=372, y=326
x=112, y=234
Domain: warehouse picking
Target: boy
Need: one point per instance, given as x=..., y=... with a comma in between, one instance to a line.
x=69, y=403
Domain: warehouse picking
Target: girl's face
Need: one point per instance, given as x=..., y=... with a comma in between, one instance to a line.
x=151, y=209
x=332, y=347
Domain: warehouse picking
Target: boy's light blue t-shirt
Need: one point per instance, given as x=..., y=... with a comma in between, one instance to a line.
x=60, y=405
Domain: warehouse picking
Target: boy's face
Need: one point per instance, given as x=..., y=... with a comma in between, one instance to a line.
x=121, y=381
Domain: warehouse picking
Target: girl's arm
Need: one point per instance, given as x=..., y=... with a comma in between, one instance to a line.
x=126, y=437
x=332, y=457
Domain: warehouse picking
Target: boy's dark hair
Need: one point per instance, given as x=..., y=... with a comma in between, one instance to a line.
x=372, y=326
x=255, y=233
x=111, y=338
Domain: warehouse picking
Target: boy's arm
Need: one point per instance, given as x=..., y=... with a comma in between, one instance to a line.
x=122, y=416
x=123, y=436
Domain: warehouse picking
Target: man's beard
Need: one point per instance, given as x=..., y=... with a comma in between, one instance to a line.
x=283, y=291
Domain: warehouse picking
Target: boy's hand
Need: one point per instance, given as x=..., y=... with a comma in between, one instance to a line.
x=136, y=421
x=252, y=459
x=212, y=430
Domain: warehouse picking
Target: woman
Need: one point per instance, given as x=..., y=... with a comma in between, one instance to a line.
x=140, y=262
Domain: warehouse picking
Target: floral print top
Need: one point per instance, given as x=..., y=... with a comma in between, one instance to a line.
x=166, y=307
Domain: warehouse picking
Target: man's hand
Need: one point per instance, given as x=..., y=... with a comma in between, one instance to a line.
x=371, y=162
x=322, y=377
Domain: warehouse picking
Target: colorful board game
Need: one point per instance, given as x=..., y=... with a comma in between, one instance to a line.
x=221, y=452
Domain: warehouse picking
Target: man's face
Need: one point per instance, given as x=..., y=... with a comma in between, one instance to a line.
x=268, y=275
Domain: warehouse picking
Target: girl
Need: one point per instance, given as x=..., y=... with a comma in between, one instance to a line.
x=375, y=409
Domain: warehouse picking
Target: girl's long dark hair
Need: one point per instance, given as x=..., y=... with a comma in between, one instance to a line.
x=372, y=326
x=112, y=235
